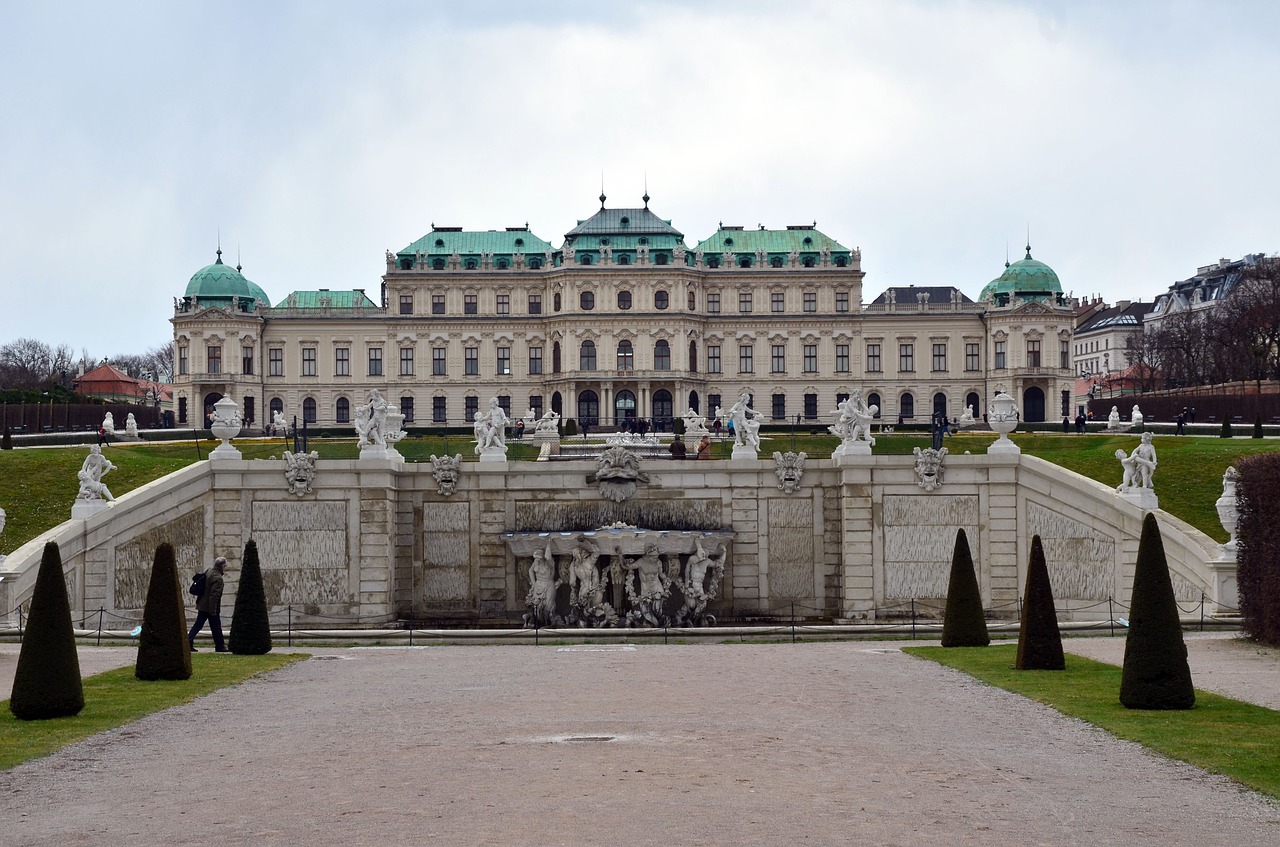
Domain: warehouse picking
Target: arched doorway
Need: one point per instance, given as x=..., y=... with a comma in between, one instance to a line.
x=557, y=403
x=906, y=407
x=663, y=410
x=624, y=407
x=940, y=404
x=1033, y=405
x=209, y=400
x=873, y=399
x=588, y=408
x=693, y=401
x=971, y=400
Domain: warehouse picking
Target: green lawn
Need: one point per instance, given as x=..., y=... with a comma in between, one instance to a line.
x=1238, y=740
x=37, y=486
x=116, y=697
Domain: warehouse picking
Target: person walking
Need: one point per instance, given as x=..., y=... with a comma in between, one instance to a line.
x=209, y=607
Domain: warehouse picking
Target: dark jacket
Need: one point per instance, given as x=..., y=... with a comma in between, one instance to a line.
x=211, y=601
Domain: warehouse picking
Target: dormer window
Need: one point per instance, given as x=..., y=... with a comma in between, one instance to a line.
x=625, y=221
x=643, y=241
x=470, y=264
x=439, y=242
x=728, y=242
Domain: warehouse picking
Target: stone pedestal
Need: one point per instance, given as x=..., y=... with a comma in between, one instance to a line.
x=1003, y=445
x=371, y=452
x=851, y=448
x=82, y=509
x=1143, y=498
x=490, y=455
x=223, y=452
x=743, y=452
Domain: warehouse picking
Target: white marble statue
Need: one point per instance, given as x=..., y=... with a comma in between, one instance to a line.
x=548, y=424
x=967, y=416
x=694, y=423
x=543, y=583
x=95, y=467
x=371, y=422
x=1135, y=417
x=279, y=425
x=131, y=426
x=1113, y=419
x=697, y=589
x=1227, y=506
x=109, y=424
x=490, y=429
x=853, y=424
x=587, y=606
x=746, y=426
x=1138, y=465
x=646, y=601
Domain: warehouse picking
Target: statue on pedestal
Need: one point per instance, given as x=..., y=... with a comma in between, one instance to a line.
x=543, y=583
x=490, y=429
x=371, y=422
x=1138, y=466
x=95, y=467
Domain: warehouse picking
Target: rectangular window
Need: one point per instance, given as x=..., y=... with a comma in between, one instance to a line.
x=971, y=362
x=779, y=359
x=439, y=411
x=472, y=405
x=779, y=409
x=842, y=301
x=535, y=360
x=713, y=403
x=375, y=361
x=1064, y=358
x=504, y=361
x=811, y=301
x=746, y=355
x=406, y=408
x=777, y=302
x=906, y=357
x=471, y=361
x=873, y=358
x=437, y=304
x=275, y=362
x=342, y=361
x=308, y=361
x=535, y=304
x=713, y=303
x=406, y=361
x=811, y=407
x=713, y=358
x=939, y=357
x=744, y=302
x=811, y=358
x=470, y=304
x=504, y=403
x=214, y=352
x=842, y=358
x=182, y=360
x=406, y=304
x=1033, y=354
x=535, y=405
x=439, y=364
x=1000, y=365
x=246, y=361
x=504, y=304
x=250, y=411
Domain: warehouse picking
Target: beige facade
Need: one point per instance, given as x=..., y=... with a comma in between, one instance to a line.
x=607, y=341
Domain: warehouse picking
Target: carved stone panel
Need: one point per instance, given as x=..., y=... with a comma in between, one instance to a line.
x=446, y=553
x=919, y=538
x=791, y=554
x=302, y=547
x=134, y=558
x=1080, y=559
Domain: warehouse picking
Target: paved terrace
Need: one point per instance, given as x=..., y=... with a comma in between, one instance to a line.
x=778, y=744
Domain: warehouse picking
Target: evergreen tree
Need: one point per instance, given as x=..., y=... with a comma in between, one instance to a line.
x=47, y=682
x=250, y=624
x=1257, y=426
x=963, y=622
x=1226, y=426
x=1156, y=674
x=163, y=649
x=6, y=443
x=1039, y=641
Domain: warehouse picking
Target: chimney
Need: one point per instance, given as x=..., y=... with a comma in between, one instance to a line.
x=1123, y=304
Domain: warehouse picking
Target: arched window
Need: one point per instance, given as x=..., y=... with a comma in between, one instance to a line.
x=907, y=406
x=808, y=261
x=557, y=403
x=693, y=357
x=971, y=400
x=940, y=404
x=588, y=408
x=437, y=264
x=693, y=401
x=713, y=262
x=587, y=301
x=661, y=299
x=624, y=299
x=584, y=258
x=624, y=259
x=555, y=358
x=470, y=264
x=842, y=261
x=663, y=410
x=744, y=261
x=661, y=258
x=662, y=356
x=776, y=261
x=276, y=406
x=503, y=264
x=309, y=410
x=626, y=356
x=873, y=399
x=693, y=301
x=535, y=263
x=343, y=411
x=555, y=301
x=587, y=356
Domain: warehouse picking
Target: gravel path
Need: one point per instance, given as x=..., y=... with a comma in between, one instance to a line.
x=850, y=742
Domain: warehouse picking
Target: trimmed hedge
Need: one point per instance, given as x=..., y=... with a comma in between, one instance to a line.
x=1155, y=674
x=163, y=649
x=250, y=624
x=47, y=681
x=964, y=624
x=1258, y=543
x=1039, y=639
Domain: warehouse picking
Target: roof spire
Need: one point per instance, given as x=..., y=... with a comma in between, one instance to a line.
x=645, y=198
x=238, y=268
x=1006, y=253
x=602, y=198
x=219, y=262
x=1028, y=239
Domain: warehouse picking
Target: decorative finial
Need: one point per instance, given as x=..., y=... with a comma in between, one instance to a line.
x=645, y=198
x=602, y=199
x=238, y=268
x=219, y=261
x=602, y=189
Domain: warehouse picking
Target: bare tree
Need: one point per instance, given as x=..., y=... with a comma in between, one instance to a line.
x=1253, y=311
x=132, y=364
x=26, y=363
x=160, y=362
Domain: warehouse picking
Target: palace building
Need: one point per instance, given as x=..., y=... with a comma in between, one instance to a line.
x=622, y=320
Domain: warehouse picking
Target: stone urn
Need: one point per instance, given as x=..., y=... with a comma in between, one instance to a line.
x=1228, y=512
x=225, y=426
x=395, y=420
x=1002, y=417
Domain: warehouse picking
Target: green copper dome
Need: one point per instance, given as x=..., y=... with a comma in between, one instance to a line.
x=1027, y=279
x=219, y=282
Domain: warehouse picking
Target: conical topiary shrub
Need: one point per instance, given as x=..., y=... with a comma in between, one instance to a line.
x=163, y=651
x=6, y=442
x=1039, y=640
x=47, y=682
x=963, y=622
x=1257, y=426
x=250, y=625
x=1226, y=427
x=1156, y=674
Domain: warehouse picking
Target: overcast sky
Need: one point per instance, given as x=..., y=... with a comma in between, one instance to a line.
x=1135, y=140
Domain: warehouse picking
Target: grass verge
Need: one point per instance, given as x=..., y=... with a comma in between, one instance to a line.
x=1238, y=740
x=116, y=697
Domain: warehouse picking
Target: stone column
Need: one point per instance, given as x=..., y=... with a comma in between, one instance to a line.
x=857, y=543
